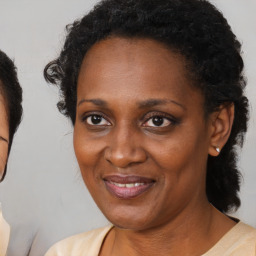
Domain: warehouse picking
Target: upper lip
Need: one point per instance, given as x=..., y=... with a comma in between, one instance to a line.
x=126, y=179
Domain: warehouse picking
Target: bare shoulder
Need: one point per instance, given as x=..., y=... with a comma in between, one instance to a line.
x=87, y=243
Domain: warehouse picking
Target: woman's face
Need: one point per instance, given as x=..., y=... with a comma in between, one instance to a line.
x=140, y=136
x=4, y=135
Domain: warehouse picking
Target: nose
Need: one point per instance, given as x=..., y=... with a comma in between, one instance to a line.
x=125, y=148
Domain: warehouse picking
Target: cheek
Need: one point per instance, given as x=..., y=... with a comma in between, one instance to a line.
x=174, y=149
x=182, y=155
x=4, y=132
x=3, y=156
x=88, y=151
x=85, y=151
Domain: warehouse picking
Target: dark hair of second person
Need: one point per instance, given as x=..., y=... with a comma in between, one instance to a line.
x=12, y=93
x=214, y=61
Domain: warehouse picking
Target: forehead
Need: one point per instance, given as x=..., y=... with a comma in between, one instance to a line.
x=135, y=67
x=129, y=51
x=3, y=99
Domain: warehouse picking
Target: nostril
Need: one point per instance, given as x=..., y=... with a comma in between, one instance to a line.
x=123, y=157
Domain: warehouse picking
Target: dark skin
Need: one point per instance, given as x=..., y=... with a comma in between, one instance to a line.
x=139, y=115
x=4, y=134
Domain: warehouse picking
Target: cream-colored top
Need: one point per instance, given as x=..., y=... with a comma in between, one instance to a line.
x=4, y=235
x=239, y=241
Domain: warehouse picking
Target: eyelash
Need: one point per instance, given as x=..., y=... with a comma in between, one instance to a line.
x=86, y=116
x=173, y=121
x=169, y=118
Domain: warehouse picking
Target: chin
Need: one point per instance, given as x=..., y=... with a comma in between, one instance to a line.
x=129, y=218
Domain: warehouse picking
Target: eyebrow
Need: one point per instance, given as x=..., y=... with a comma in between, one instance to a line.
x=155, y=102
x=142, y=104
x=97, y=102
x=3, y=139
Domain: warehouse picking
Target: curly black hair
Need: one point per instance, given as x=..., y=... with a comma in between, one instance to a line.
x=196, y=30
x=12, y=92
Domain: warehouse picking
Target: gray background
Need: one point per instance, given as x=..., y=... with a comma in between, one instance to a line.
x=43, y=196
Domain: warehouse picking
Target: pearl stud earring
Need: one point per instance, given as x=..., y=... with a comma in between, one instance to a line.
x=218, y=149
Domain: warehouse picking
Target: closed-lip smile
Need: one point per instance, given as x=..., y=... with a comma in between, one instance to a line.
x=127, y=187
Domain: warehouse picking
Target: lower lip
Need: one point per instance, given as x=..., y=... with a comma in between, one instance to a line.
x=127, y=193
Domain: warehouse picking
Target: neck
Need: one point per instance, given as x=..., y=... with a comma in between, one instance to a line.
x=190, y=233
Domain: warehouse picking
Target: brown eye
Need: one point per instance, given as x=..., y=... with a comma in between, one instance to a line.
x=157, y=121
x=97, y=120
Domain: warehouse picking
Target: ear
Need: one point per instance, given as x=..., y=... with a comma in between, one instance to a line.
x=221, y=125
